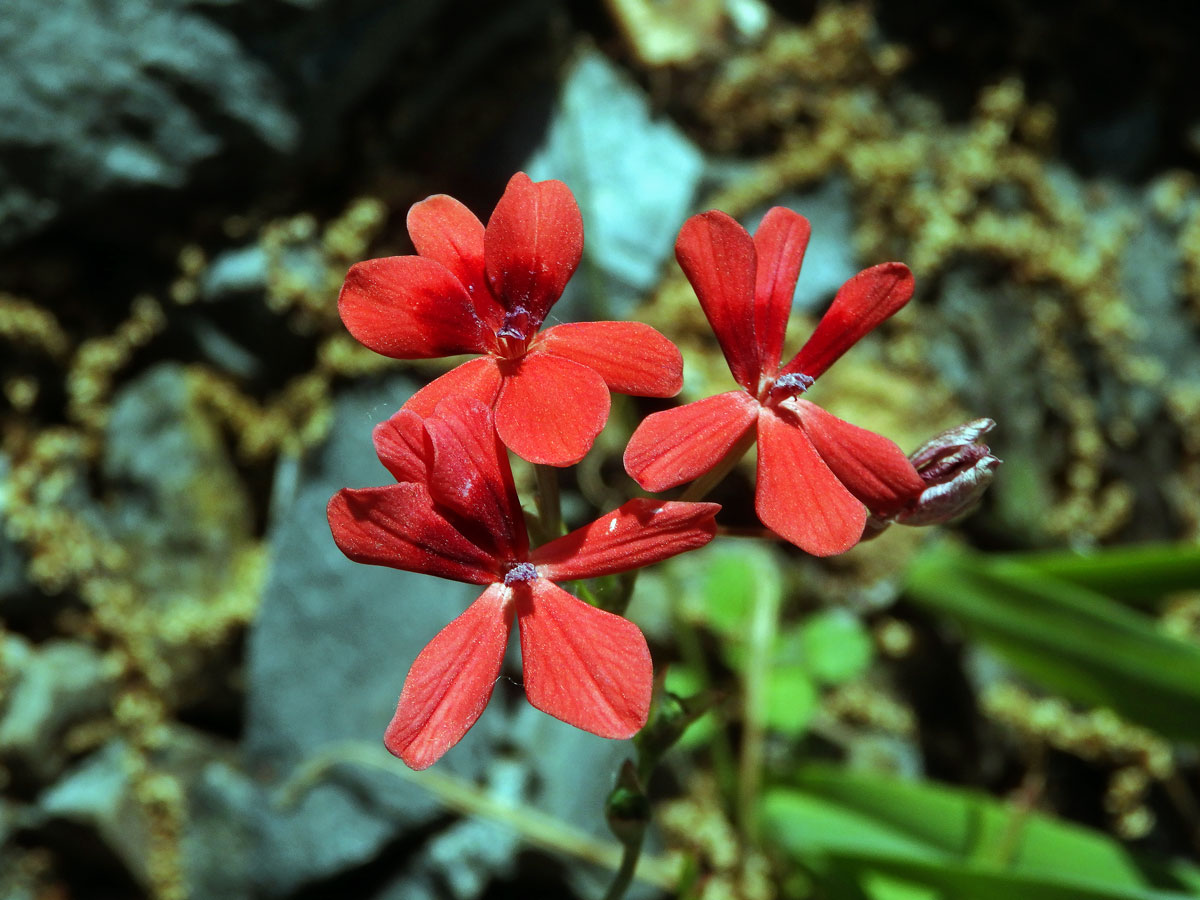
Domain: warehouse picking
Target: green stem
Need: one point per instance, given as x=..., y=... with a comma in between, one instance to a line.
x=720, y=747
x=628, y=812
x=546, y=497
x=624, y=877
x=699, y=488
x=540, y=829
x=764, y=623
x=1003, y=850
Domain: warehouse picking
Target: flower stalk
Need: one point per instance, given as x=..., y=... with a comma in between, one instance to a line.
x=628, y=807
x=548, y=501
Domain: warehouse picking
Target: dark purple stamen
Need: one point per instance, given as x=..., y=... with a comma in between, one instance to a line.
x=794, y=382
x=521, y=572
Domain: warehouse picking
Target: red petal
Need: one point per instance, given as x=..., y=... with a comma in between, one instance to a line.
x=469, y=474
x=398, y=526
x=632, y=358
x=408, y=307
x=871, y=467
x=400, y=446
x=550, y=410
x=677, y=445
x=476, y=378
x=451, y=681
x=779, y=242
x=444, y=230
x=717, y=255
x=533, y=244
x=588, y=667
x=797, y=496
x=639, y=533
x=861, y=303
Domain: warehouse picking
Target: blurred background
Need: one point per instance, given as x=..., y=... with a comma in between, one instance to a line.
x=194, y=682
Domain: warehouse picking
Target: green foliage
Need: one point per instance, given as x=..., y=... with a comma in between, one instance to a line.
x=1142, y=575
x=834, y=646
x=791, y=700
x=878, y=837
x=734, y=578
x=726, y=584
x=1068, y=635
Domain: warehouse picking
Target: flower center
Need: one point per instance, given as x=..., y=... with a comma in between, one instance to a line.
x=792, y=384
x=519, y=574
x=514, y=332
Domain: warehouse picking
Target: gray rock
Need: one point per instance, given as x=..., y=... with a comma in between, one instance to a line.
x=236, y=270
x=92, y=98
x=13, y=581
x=634, y=176
x=326, y=660
x=179, y=500
x=1160, y=328
x=98, y=793
x=56, y=685
x=217, y=844
x=983, y=354
x=178, y=509
x=194, y=772
x=97, y=97
x=474, y=851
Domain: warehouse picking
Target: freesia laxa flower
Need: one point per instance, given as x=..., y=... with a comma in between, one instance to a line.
x=488, y=290
x=455, y=514
x=817, y=474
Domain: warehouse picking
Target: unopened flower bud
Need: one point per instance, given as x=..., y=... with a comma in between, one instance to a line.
x=627, y=808
x=957, y=468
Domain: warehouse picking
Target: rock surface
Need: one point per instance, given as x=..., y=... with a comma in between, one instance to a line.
x=634, y=175
x=97, y=98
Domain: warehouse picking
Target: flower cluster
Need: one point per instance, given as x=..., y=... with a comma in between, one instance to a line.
x=453, y=511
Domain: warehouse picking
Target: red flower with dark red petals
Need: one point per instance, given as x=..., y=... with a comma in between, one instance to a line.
x=817, y=475
x=455, y=514
x=488, y=290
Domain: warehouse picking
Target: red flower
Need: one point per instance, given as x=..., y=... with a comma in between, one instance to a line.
x=815, y=471
x=487, y=291
x=455, y=514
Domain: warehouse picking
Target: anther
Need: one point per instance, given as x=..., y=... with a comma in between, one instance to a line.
x=795, y=383
x=521, y=572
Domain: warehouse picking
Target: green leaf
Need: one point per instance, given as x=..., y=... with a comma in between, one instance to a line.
x=805, y=826
x=1068, y=638
x=791, y=700
x=728, y=592
x=1141, y=574
x=948, y=880
x=732, y=581
x=881, y=886
x=962, y=842
x=835, y=646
